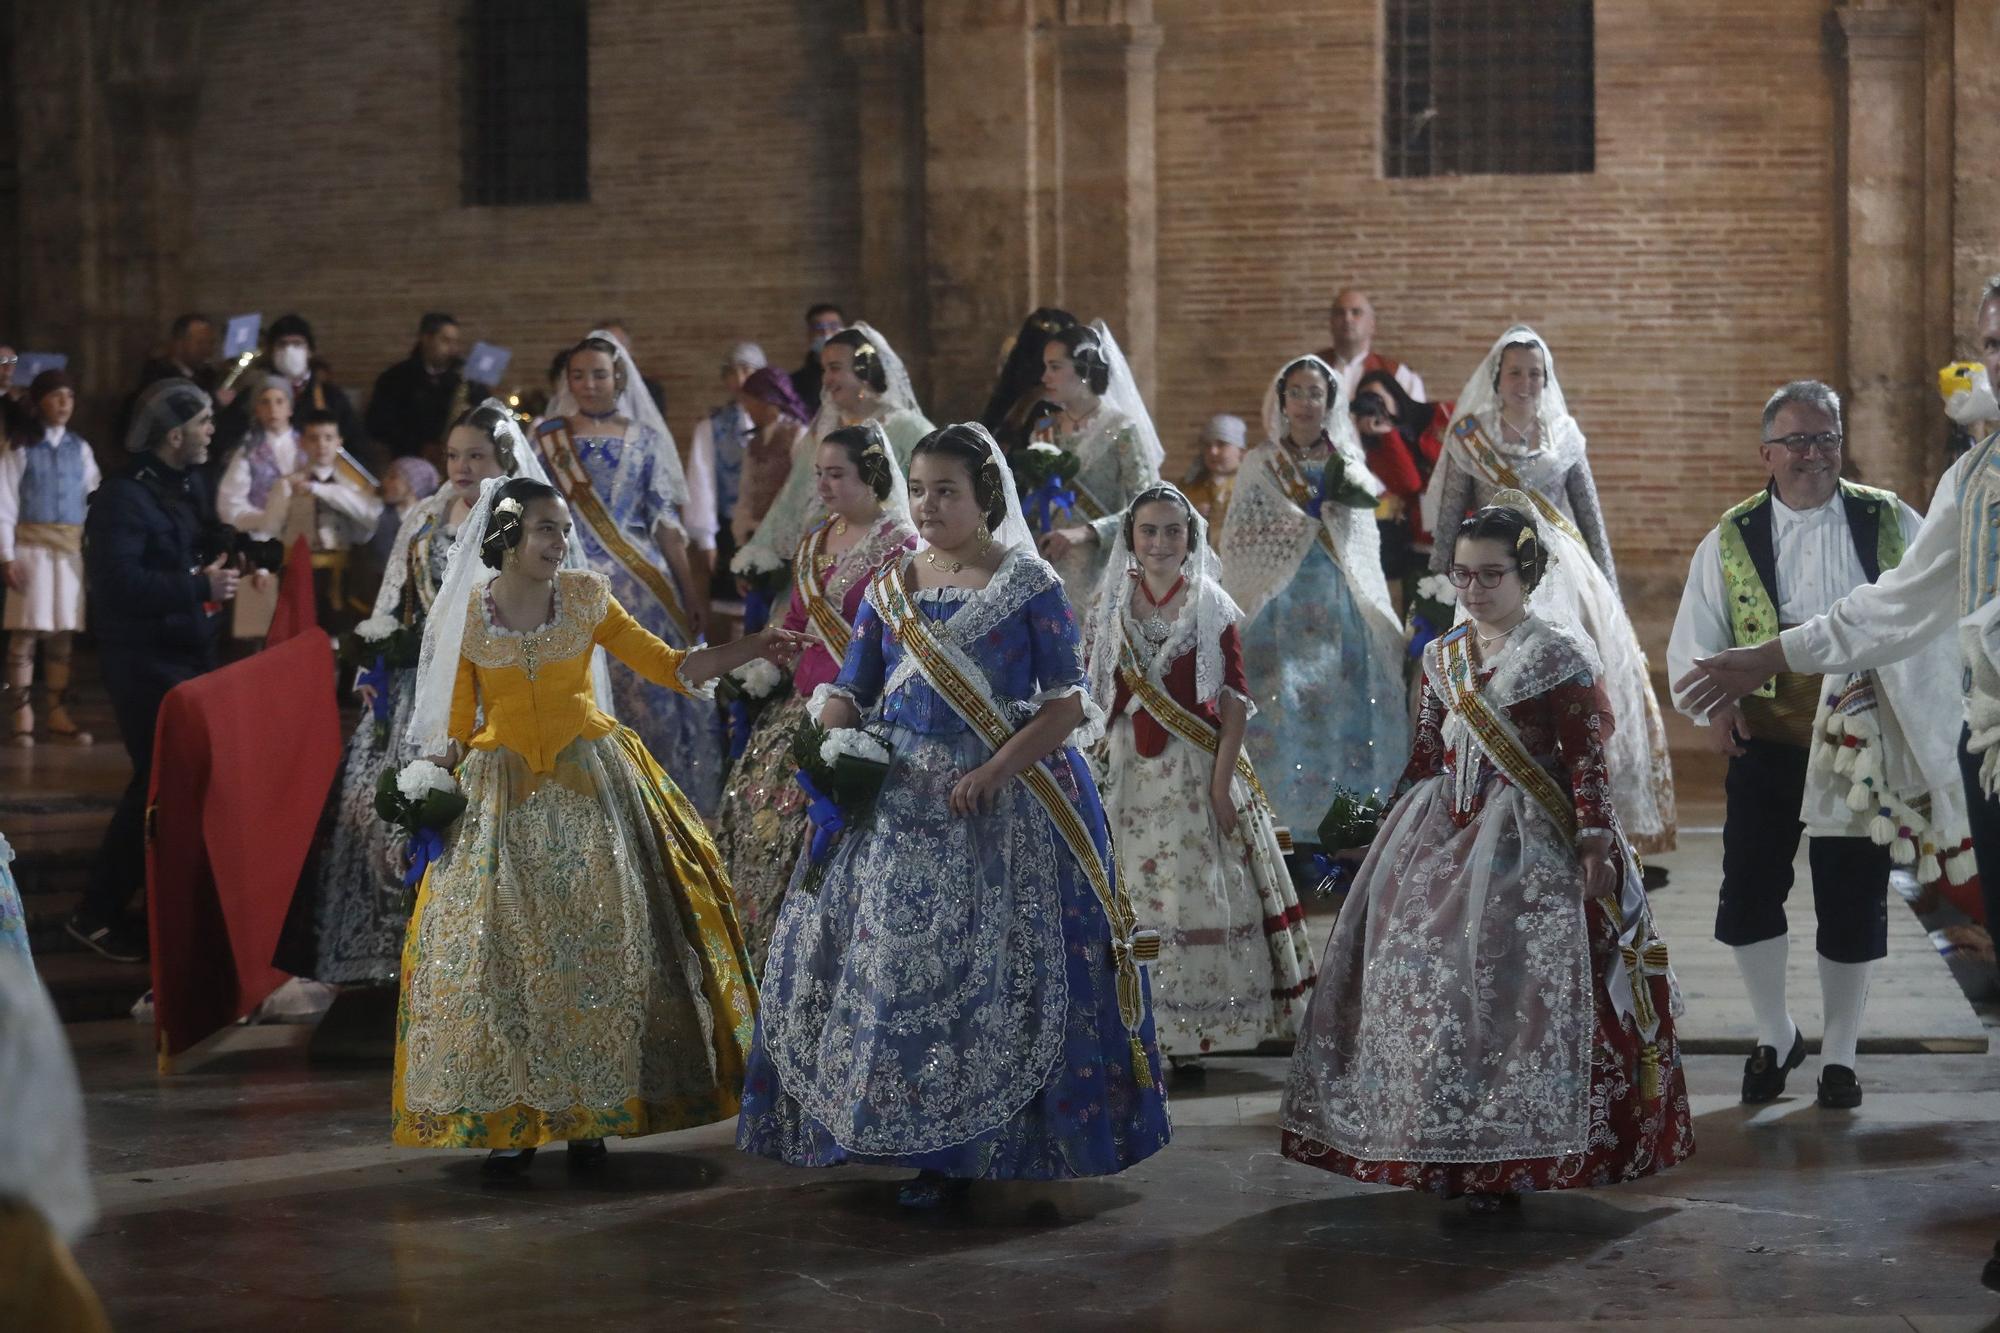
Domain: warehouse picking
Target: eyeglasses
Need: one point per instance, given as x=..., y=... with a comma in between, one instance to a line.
x=1803, y=445
x=1461, y=577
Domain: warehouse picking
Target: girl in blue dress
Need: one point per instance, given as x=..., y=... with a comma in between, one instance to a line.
x=1322, y=645
x=961, y=991
x=606, y=448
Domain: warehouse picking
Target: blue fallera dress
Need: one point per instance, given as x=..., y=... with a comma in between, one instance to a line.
x=1330, y=708
x=944, y=997
x=683, y=733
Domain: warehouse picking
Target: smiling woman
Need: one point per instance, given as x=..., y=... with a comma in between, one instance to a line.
x=577, y=857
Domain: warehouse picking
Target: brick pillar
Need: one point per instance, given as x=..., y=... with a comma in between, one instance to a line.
x=889, y=66
x=1108, y=211
x=1891, y=415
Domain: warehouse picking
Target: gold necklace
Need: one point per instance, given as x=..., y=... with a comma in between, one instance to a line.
x=840, y=526
x=931, y=556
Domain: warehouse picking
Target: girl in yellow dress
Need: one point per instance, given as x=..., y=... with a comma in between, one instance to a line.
x=573, y=968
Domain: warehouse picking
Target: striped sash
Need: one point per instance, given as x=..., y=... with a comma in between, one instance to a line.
x=570, y=476
x=824, y=616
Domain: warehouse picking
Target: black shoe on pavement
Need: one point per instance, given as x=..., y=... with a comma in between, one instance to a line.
x=584, y=1154
x=117, y=943
x=1989, y=1277
x=504, y=1164
x=1764, y=1077
x=1839, y=1090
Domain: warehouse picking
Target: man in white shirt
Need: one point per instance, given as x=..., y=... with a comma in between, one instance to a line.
x=715, y=471
x=1353, y=354
x=1779, y=558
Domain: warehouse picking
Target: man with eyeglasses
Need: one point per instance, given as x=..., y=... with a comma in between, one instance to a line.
x=1778, y=559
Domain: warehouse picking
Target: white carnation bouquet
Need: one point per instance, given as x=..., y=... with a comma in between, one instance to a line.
x=423, y=799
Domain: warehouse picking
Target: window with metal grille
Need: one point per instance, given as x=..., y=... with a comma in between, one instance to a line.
x=525, y=109
x=1488, y=87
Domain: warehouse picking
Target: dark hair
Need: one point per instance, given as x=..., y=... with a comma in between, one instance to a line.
x=290, y=326
x=1019, y=389
x=867, y=449
x=967, y=444
x=813, y=312
x=503, y=528
x=1527, y=343
x=1317, y=367
x=319, y=416
x=1410, y=417
x=491, y=420
x=182, y=323
x=1082, y=344
x=1516, y=532
x=867, y=359
x=1154, y=494
x=432, y=322
x=559, y=364
x=605, y=346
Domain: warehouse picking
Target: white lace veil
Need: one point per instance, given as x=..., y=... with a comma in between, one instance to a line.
x=1556, y=429
x=1212, y=610
x=634, y=404
x=1013, y=530
x=1121, y=394
x=444, y=629
x=900, y=396
x=1340, y=429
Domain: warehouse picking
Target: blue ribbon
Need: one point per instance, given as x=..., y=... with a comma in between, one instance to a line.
x=1333, y=874
x=1421, y=633
x=825, y=816
x=756, y=609
x=426, y=846
x=602, y=448
x=376, y=678
x=736, y=718
x=1052, y=493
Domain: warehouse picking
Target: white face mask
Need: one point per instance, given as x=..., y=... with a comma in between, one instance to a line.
x=290, y=361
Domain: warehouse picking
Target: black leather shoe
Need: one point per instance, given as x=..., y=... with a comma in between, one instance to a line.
x=1764, y=1077
x=587, y=1153
x=1839, y=1090
x=1990, y=1275
x=511, y=1167
x=119, y=943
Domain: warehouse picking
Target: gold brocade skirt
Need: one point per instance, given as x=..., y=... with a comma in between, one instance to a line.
x=573, y=968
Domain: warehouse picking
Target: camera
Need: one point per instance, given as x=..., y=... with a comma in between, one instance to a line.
x=220, y=540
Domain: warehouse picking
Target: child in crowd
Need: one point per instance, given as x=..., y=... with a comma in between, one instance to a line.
x=44, y=481
x=1209, y=484
x=343, y=515
x=256, y=492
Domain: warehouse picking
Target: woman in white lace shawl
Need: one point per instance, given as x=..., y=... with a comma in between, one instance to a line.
x=863, y=381
x=1195, y=840
x=1512, y=429
x=346, y=925
x=1322, y=646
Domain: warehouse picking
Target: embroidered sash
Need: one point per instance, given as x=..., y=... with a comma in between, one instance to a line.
x=1176, y=717
x=953, y=679
x=1642, y=951
x=825, y=617
x=1293, y=483
x=566, y=470
x=1480, y=449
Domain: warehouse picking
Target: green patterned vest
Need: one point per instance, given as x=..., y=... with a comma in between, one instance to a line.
x=1750, y=566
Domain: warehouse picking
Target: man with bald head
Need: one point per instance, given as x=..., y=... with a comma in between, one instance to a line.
x=1353, y=354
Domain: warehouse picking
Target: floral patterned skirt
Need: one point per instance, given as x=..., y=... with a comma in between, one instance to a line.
x=13, y=921
x=943, y=997
x=1463, y=1036
x=573, y=968
x=761, y=824
x=1235, y=964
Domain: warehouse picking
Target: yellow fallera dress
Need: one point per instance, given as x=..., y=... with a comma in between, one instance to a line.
x=573, y=968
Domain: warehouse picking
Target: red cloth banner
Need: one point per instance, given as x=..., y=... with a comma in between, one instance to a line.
x=243, y=759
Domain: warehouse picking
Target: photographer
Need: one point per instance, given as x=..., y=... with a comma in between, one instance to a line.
x=156, y=602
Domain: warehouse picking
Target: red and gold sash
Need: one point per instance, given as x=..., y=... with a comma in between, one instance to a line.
x=1641, y=949
x=825, y=617
x=1190, y=726
x=570, y=476
x=1285, y=471
x=1471, y=432
x=1129, y=945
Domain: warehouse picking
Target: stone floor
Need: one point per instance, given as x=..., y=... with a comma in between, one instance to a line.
x=253, y=1189
x=256, y=1191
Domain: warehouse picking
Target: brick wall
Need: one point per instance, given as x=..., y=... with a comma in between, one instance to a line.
x=1677, y=285
x=327, y=181
x=1696, y=269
